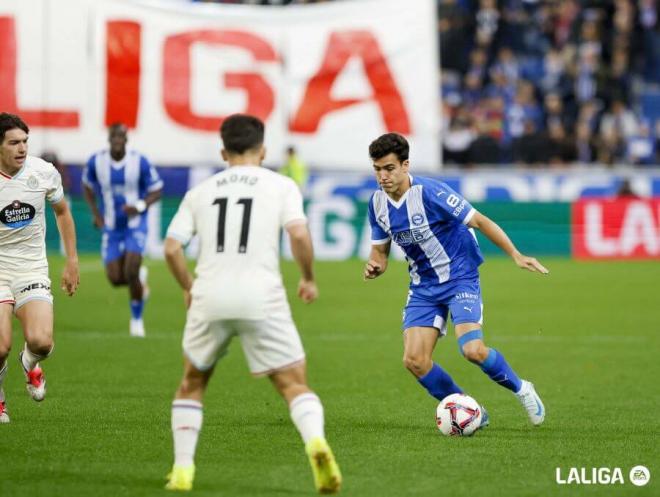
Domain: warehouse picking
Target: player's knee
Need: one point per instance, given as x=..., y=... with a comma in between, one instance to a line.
x=41, y=344
x=132, y=273
x=475, y=351
x=417, y=364
x=115, y=279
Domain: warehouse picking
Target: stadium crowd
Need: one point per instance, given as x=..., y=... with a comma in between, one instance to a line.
x=550, y=82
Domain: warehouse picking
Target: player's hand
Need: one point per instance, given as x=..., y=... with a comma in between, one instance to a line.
x=130, y=210
x=98, y=221
x=187, y=298
x=307, y=291
x=70, y=277
x=529, y=263
x=372, y=270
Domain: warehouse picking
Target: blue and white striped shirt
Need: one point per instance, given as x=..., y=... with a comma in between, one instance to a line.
x=121, y=183
x=429, y=224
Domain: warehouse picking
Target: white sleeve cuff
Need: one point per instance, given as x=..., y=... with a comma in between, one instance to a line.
x=380, y=242
x=469, y=215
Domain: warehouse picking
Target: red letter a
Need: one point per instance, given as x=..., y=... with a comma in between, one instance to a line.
x=317, y=101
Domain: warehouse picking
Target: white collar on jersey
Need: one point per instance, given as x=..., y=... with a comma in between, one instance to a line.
x=398, y=203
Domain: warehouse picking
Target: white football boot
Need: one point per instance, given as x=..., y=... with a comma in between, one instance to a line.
x=36, y=381
x=137, y=328
x=531, y=401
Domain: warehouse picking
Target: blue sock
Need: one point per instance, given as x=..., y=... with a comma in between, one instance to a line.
x=438, y=383
x=136, y=308
x=498, y=370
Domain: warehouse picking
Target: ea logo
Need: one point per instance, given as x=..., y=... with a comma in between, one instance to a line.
x=417, y=219
x=640, y=476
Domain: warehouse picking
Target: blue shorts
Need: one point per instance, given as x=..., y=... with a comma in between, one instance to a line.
x=116, y=243
x=461, y=298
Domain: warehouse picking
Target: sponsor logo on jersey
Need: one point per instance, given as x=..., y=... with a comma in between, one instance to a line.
x=17, y=214
x=409, y=237
x=35, y=286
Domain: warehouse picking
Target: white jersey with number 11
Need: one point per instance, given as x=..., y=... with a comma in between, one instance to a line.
x=238, y=215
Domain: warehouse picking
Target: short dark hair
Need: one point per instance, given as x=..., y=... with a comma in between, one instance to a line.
x=11, y=121
x=241, y=132
x=389, y=143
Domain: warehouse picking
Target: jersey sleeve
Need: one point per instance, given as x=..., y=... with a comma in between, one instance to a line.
x=149, y=178
x=182, y=227
x=55, y=192
x=449, y=204
x=378, y=234
x=292, y=210
x=89, y=175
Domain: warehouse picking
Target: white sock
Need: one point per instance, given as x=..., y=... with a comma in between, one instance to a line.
x=30, y=359
x=186, y=424
x=307, y=415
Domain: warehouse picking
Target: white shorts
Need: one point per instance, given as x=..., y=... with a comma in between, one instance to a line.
x=269, y=345
x=20, y=288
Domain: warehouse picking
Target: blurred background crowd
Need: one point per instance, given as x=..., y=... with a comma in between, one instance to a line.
x=547, y=82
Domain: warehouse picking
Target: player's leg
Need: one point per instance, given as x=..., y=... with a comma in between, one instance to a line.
x=6, y=311
x=132, y=262
x=423, y=324
x=466, y=311
x=36, y=318
x=113, y=257
x=306, y=413
x=272, y=347
x=134, y=245
x=187, y=418
x=203, y=344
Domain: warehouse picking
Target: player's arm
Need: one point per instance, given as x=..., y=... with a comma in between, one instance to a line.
x=377, y=263
x=176, y=262
x=495, y=234
x=67, y=229
x=143, y=204
x=303, y=253
x=90, y=198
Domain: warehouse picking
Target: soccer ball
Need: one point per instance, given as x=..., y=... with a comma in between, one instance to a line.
x=458, y=415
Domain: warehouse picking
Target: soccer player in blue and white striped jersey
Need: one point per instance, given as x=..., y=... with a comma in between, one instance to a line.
x=127, y=185
x=434, y=226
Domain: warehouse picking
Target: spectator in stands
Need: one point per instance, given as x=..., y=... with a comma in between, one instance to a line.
x=619, y=118
x=532, y=147
x=585, y=147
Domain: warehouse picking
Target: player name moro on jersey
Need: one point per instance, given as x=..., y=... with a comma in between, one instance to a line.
x=17, y=214
x=409, y=237
x=238, y=178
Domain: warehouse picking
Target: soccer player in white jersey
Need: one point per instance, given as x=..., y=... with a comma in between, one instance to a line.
x=434, y=226
x=26, y=182
x=237, y=291
x=127, y=184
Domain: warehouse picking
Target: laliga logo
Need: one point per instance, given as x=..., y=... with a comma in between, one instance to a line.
x=639, y=476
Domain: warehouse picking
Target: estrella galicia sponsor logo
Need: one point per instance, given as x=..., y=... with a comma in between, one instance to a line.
x=639, y=476
x=17, y=214
x=417, y=219
x=35, y=286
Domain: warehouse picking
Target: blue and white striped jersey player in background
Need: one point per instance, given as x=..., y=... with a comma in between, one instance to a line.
x=126, y=184
x=433, y=225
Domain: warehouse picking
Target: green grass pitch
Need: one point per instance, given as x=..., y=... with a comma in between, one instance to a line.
x=588, y=335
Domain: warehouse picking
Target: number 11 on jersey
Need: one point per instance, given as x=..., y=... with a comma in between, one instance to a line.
x=222, y=221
